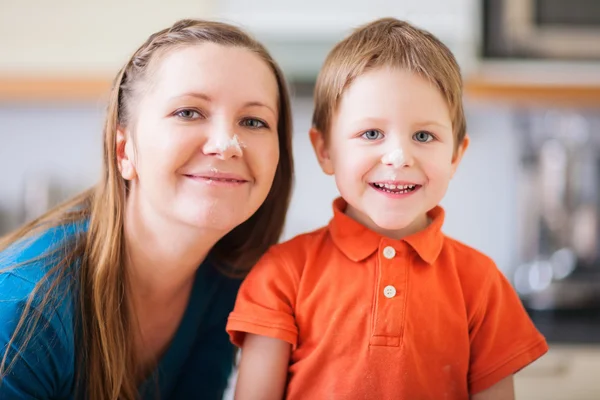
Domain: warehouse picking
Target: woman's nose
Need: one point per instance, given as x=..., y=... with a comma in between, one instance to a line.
x=223, y=143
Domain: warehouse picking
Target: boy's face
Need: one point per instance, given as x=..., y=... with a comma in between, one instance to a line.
x=391, y=149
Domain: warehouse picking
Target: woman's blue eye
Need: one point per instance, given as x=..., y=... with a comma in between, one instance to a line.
x=423, y=137
x=372, y=135
x=188, y=114
x=253, y=123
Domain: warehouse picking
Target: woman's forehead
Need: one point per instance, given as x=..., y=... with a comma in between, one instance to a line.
x=217, y=72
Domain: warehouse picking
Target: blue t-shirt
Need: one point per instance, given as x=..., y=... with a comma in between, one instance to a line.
x=197, y=364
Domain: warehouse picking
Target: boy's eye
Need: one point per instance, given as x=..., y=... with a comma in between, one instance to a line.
x=372, y=135
x=253, y=123
x=423, y=137
x=188, y=114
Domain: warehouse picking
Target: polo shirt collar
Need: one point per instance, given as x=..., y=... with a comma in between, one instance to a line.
x=358, y=242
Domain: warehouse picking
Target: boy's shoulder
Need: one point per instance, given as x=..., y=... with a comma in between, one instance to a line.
x=475, y=270
x=296, y=251
x=302, y=243
x=465, y=254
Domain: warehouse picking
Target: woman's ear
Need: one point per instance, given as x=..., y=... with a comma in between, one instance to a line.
x=319, y=144
x=125, y=155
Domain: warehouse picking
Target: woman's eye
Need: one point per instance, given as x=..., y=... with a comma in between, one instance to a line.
x=423, y=137
x=372, y=135
x=188, y=114
x=253, y=123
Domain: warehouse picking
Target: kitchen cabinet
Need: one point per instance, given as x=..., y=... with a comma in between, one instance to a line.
x=566, y=372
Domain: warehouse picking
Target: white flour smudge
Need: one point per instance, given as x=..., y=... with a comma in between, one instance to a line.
x=396, y=158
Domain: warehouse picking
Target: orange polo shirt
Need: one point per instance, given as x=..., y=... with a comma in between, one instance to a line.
x=369, y=317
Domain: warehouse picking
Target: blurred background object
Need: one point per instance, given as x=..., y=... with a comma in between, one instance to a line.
x=527, y=193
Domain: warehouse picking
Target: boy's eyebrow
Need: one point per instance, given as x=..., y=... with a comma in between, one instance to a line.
x=371, y=120
x=430, y=123
x=381, y=121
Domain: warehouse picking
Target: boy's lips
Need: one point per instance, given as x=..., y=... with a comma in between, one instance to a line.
x=394, y=184
x=395, y=187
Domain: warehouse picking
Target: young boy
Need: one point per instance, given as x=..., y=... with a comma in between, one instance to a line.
x=380, y=304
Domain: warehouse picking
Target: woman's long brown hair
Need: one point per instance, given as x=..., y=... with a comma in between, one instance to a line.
x=103, y=329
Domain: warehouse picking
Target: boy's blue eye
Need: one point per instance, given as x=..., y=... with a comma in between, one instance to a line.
x=423, y=137
x=372, y=135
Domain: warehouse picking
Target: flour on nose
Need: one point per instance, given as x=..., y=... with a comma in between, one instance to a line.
x=234, y=143
x=396, y=158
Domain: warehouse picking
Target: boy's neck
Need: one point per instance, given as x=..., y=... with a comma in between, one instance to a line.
x=419, y=224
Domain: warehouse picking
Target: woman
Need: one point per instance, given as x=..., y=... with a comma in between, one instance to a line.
x=124, y=291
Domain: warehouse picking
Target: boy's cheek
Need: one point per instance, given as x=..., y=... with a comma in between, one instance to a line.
x=349, y=159
x=438, y=173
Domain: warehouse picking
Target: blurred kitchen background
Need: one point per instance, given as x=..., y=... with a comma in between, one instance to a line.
x=527, y=193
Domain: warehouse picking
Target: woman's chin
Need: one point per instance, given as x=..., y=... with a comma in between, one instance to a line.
x=214, y=220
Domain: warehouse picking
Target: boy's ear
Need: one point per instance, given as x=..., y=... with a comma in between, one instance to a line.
x=321, y=150
x=458, y=155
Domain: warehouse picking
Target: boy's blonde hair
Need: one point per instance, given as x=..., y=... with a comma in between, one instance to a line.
x=388, y=42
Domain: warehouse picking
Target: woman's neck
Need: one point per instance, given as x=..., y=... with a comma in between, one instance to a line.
x=162, y=255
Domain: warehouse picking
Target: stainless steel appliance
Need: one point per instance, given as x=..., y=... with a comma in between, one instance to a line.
x=542, y=29
x=558, y=270
x=559, y=200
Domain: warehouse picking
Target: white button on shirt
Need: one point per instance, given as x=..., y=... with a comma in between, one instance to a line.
x=389, y=291
x=389, y=252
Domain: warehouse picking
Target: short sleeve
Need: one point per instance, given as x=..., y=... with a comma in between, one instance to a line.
x=502, y=336
x=36, y=368
x=265, y=302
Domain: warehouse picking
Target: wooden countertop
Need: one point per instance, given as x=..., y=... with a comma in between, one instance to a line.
x=53, y=89
x=534, y=82
x=532, y=93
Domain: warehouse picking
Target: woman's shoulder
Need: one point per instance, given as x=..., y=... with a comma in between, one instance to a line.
x=36, y=303
x=37, y=340
x=52, y=313
x=30, y=258
x=28, y=282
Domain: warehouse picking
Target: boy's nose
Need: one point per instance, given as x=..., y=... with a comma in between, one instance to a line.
x=397, y=158
x=394, y=158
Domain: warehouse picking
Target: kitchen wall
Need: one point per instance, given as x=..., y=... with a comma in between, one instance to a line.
x=93, y=38
x=82, y=38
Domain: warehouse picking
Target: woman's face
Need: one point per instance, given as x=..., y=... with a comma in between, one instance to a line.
x=202, y=148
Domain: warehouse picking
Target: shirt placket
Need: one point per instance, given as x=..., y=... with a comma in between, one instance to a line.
x=390, y=296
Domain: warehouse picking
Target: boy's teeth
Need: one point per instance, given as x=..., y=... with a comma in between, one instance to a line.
x=392, y=186
x=388, y=187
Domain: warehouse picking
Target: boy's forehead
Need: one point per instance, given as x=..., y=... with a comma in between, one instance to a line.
x=384, y=89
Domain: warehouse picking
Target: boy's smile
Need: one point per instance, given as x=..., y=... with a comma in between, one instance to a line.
x=392, y=150
x=395, y=189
